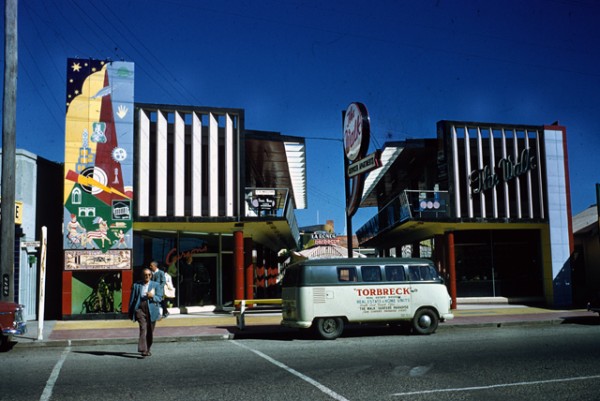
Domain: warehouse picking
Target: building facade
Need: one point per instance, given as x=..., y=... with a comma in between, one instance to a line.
x=490, y=200
x=37, y=202
x=186, y=186
x=216, y=189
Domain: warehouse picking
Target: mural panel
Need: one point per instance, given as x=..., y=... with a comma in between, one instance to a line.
x=98, y=195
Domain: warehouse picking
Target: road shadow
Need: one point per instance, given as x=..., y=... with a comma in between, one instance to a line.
x=263, y=332
x=128, y=355
x=6, y=346
x=591, y=320
x=279, y=333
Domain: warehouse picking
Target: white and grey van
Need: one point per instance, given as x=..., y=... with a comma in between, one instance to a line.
x=327, y=293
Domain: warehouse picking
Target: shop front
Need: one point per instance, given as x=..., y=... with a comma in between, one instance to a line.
x=491, y=199
x=188, y=187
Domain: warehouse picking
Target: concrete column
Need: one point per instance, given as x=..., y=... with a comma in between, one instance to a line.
x=126, y=283
x=452, y=267
x=249, y=267
x=238, y=264
x=416, y=249
x=260, y=272
x=67, y=293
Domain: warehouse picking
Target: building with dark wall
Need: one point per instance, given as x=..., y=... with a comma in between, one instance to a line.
x=493, y=199
x=38, y=186
x=586, y=258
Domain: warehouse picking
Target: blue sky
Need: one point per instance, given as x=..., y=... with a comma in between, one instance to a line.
x=295, y=65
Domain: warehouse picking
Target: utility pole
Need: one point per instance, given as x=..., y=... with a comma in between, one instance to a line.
x=9, y=119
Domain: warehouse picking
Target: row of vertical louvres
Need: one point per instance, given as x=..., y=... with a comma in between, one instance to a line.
x=476, y=147
x=187, y=163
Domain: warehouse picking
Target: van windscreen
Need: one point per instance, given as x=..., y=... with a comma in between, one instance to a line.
x=291, y=277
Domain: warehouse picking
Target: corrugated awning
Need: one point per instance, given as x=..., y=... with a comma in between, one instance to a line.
x=277, y=161
x=388, y=157
x=327, y=252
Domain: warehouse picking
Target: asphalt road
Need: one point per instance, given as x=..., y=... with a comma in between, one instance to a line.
x=558, y=362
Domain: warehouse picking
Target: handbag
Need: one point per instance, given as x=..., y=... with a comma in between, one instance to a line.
x=169, y=289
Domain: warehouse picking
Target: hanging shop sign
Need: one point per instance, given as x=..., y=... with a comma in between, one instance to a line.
x=357, y=131
x=264, y=202
x=357, y=135
x=370, y=162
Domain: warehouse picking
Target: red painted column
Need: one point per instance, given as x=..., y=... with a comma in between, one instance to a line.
x=67, y=293
x=249, y=267
x=126, y=283
x=452, y=267
x=260, y=272
x=238, y=264
x=272, y=274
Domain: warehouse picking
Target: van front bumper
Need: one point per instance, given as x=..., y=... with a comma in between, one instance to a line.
x=446, y=316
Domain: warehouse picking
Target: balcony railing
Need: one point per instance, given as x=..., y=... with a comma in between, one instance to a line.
x=408, y=205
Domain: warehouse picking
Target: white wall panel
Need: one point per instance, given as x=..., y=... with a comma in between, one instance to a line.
x=196, y=165
x=179, y=165
x=229, y=166
x=161, y=164
x=213, y=166
x=557, y=200
x=142, y=192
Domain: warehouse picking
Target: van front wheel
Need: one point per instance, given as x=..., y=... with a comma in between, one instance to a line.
x=329, y=328
x=425, y=321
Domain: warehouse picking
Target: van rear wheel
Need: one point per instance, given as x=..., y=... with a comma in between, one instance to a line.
x=425, y=321
x=329, y=328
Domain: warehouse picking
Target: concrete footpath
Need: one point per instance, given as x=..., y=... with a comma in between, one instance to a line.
x=209, y=325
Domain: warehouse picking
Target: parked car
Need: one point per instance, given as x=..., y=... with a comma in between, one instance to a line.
x=11, y=322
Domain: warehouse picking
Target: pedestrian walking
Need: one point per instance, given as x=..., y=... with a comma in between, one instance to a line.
x=158, y=275
x=146, y=296
x=169, y=293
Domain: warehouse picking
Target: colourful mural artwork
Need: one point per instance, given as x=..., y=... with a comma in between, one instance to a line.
x=98, y=196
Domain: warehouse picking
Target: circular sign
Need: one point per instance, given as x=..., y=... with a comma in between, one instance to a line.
x=356, y=131
x=94, y=174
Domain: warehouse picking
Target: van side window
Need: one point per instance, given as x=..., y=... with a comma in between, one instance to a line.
x=371, y=273
x=415, y=273
x=422, y=273
x=346, y=273
x=394, y=273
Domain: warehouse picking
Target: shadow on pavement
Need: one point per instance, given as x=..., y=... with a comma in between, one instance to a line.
x=279, y=333
x=6, y=346
x=591, y=320
x=109, y=353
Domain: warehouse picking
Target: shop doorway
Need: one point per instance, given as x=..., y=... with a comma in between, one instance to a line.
x=204, y=281
x=503, y=263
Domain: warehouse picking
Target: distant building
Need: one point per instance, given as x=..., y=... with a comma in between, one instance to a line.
x=586, y=258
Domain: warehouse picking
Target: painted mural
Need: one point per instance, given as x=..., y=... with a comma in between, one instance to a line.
x=98, y=196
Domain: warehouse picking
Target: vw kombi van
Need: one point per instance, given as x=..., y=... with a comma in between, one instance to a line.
x=327, y=293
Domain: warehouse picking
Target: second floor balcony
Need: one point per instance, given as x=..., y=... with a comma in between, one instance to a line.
x=408, y=205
